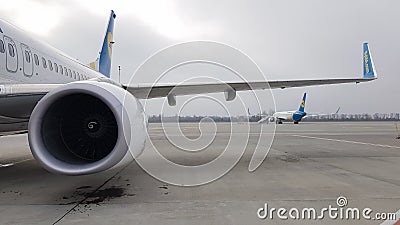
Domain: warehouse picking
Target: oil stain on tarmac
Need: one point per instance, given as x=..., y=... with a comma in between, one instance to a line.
x=95, y=197
x=84, y=197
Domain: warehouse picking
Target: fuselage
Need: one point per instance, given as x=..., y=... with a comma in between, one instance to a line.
x=28, y=61
x=291, y=116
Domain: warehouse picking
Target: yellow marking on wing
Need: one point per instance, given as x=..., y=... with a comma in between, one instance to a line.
x=366, y=61
x=109, y=40
x=92, y=65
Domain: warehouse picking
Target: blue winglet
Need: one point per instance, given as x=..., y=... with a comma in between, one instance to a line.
x=368, y=64
x=106, y=50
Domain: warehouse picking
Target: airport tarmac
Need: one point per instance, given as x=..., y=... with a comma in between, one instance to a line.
x=309, y=165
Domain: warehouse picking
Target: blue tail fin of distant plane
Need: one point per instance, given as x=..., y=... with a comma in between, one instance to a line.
x=303, y=103
x=103, y=64
x=369, y=68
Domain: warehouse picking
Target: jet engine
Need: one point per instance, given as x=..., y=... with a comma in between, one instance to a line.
x=86, y=127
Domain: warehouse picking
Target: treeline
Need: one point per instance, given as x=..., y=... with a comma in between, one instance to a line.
x=190, y=119
x=357, y=117
x=256, y=118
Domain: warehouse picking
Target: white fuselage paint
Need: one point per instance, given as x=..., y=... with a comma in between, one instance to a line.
x=286, y=116
x=21, y=70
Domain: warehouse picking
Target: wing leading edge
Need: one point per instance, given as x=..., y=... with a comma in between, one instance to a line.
x=157, y=91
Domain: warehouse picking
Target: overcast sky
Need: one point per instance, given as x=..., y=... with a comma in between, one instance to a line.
x=287, y=39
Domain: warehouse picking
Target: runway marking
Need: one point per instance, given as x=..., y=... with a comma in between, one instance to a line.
x=13, y=163
x=6, y=165
x=346, y=141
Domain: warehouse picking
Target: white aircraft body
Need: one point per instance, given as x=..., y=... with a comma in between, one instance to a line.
x=294, y=116
x=286, y=116
x=74, y=114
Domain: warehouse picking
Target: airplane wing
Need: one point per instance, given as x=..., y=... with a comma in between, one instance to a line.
x=147, y=91
x=144, y=91
x=322, y=114
x=265, y=119
x=269, y=119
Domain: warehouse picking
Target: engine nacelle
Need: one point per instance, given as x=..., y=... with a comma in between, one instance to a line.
x=85, y=127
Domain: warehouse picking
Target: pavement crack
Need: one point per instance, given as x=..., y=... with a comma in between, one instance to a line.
x=89, y=195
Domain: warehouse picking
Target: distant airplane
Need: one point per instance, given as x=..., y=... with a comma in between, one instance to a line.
x=78, y=120
x=292, y=116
